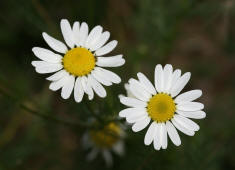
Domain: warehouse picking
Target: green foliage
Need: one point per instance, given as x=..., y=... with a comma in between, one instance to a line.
x=194, y=35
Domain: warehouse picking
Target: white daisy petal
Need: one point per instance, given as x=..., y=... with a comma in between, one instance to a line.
x=54, y=43
x=87, y=87
x=41, y=63
x=101, y=78
x=187, y=123
x=157, y=138
x=141, y=124
x=90, y=91
x=110, y=75
x=68, y=87
x=138, y=113
x=194, y=115
x=107, y=157
x=91, y=156
x=150, y=134
x=57, y=75
x=173, y=134
x=114, y=61
x=188, y=96
x=76, y=28
x=49, y=68
x=132, y=102
x=83, y=33
x=56, y=85
x=86, y=141
x=190, y=106
x=168, y=70
x=179, y=85
x=163, y=136
x=107, y=48
x=146, y=83
x=138, y=90
x=119, y=148
x=159, y=79
x=182, y=128
x=78, y=90
x=67, y=32
x=135, y=117
x=175, y=76
x=128, y=91
x=46, y=55
x=101, y=41
x=133, y=92
x=131, y=111
x=120, y=96
x=93, y=36
x=97, y=87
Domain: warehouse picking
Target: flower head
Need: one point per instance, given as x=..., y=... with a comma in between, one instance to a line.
x=78, y=66
x=163, y=106
x=103, y=141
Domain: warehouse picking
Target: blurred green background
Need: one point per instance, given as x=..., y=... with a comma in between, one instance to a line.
x=193, y=35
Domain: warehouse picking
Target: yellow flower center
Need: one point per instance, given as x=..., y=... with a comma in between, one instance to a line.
x=161, y=107
x=79, y=61
x=106, y=137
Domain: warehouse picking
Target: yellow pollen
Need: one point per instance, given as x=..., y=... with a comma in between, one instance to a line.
x=161, y=107
x=79, y=61
x=106, y=137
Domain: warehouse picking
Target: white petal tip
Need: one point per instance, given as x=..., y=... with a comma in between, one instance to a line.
x=51, y=88
x=188, y=74
x=33, y=64
x=63, y=20
x=34, y=48
x=115, y=42
x=123, y=61
x=122, y=100
x=164, y=147
x=121, y=114
x=157, y=149
x=177, y=144
x=147, y=144
x=203, y=115
x=134, y=130
x=64, y=97
x=103, y=96
x=120, y=96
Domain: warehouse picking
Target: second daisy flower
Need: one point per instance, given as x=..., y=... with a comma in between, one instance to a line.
x=162, y=106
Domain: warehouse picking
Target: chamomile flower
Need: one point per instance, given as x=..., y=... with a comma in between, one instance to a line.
x=104, y=141
x=78, y=65
x=162, y=106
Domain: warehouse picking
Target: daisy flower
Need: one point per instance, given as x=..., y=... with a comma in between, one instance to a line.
x=78, y=65
x=104, y=141
x=162, y=106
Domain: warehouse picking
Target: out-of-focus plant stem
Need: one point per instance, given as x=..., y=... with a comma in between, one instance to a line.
x=97, y=117
x=41, y=115
x=44, y=14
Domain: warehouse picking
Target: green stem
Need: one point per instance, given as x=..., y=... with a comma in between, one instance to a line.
x=44, y=116
x=54, y=119
x=98, y=118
